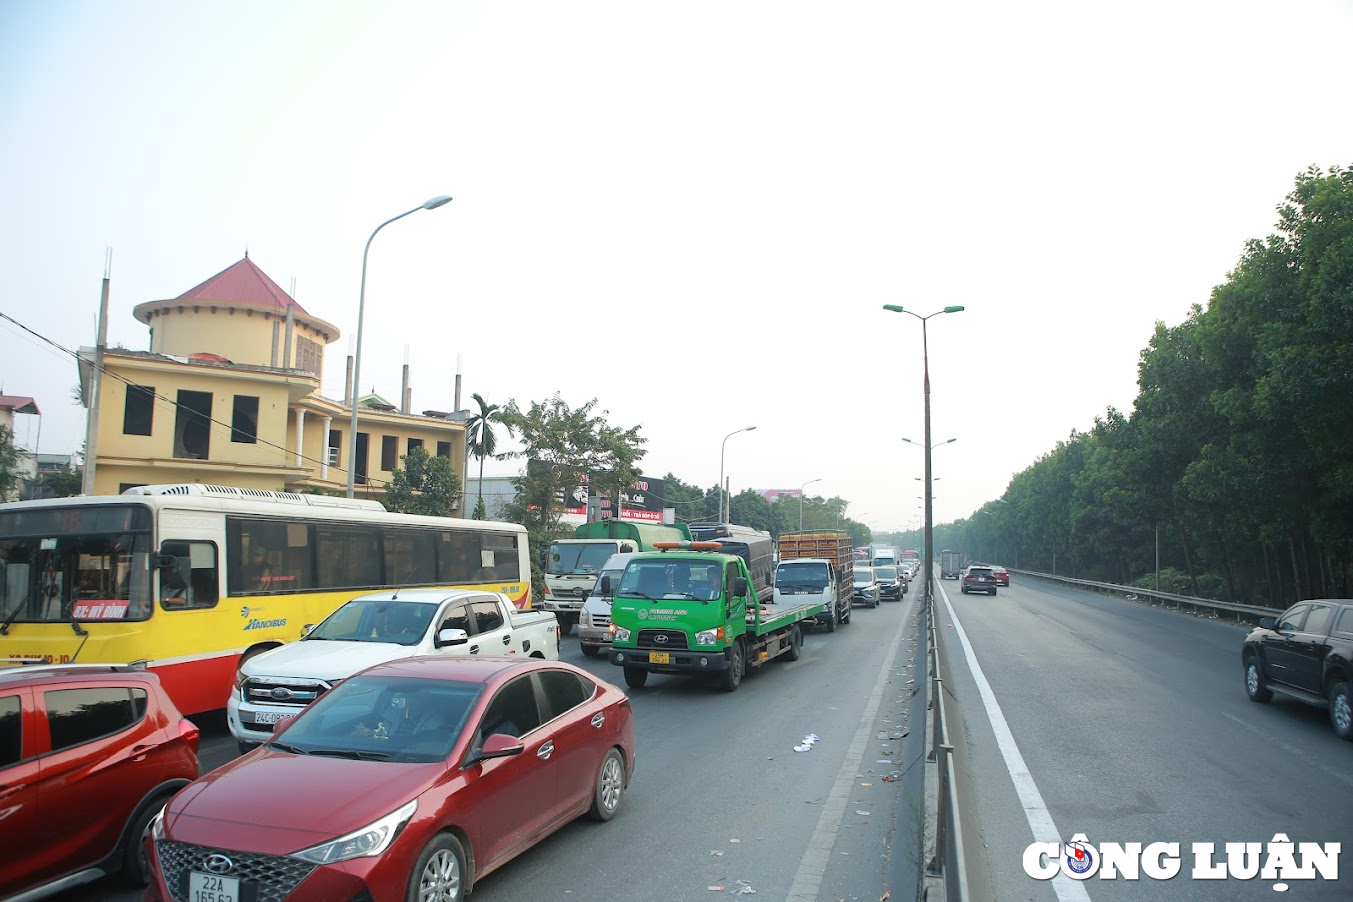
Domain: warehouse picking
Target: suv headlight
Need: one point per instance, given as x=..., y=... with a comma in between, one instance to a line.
x=367, y=842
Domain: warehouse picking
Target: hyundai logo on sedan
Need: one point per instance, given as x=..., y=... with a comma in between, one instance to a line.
x=282, y=693
x=218, y=864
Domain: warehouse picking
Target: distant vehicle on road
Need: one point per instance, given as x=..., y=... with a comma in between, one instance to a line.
x=979, y=579
x=951, y=564
x=1305, y=654
x=866, y=587
x=1002, y=575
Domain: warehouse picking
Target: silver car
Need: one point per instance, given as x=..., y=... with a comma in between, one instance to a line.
x=866, y=587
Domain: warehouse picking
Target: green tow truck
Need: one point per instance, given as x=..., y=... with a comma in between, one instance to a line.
x=688, y=609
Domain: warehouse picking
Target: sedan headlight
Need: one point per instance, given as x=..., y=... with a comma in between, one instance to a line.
x=619, y=633
x=367, y=842
x=157, y=825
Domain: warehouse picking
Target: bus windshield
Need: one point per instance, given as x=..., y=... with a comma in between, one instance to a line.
x=59, y=565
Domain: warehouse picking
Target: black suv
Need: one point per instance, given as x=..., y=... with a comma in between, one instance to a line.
x=1306, y=654
x=892, y=584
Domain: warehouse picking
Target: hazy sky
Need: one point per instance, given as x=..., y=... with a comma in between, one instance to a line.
x=692, y=212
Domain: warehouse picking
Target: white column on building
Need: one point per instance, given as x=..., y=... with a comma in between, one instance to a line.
x=300, y=434
x=324, y=449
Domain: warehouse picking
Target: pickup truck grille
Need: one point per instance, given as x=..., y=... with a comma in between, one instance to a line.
x=663, y=640
x=282, y=691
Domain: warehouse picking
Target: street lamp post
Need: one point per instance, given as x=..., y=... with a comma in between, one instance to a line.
x=929, y=507
x=432, y=204
x=723, y=494
x=801, y=488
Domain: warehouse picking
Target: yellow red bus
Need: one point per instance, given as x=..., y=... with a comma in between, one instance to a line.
x=192, y=579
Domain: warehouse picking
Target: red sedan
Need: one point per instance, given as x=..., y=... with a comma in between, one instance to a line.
x=411, y=780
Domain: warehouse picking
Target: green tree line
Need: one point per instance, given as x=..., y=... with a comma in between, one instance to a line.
x=1236, y=461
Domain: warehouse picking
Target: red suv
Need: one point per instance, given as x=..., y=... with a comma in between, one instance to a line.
x=89, y=753
x=979, y=579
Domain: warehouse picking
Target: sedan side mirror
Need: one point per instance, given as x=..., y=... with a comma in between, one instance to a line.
x=450, y=636
x=498, y=745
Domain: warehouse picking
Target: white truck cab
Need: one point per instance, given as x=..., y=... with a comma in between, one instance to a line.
x=594, y=624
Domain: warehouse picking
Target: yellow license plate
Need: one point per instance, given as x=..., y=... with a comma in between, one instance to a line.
x=659, y=657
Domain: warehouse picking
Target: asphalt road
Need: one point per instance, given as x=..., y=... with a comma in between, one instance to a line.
x=1132, y=725
x=721, y=799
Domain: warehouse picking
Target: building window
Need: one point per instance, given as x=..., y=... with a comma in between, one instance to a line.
x=139, y=411
x=192, y=425
x=333, y=457
x=443, y=449
x=309, y=356
x=414, y=443
x=389, y=448
x=335, y=443
x=244, y=422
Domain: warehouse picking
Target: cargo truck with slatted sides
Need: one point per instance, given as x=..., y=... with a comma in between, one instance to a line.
x=817, y=565
x=689, y=609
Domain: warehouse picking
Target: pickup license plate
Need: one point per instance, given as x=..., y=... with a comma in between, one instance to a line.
x=659, y=657
x=212, y=888
x=273, y=716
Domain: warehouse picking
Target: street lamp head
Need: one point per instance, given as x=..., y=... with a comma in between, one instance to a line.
x=443, y=199
x=749, y=429
x=954, y=308
x=894, y=308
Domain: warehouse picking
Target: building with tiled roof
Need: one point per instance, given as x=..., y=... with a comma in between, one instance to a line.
x=229, y=394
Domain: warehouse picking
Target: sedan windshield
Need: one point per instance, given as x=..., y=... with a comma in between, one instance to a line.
x=384, y=718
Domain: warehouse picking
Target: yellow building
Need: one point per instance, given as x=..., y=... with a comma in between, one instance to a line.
x=229, y=394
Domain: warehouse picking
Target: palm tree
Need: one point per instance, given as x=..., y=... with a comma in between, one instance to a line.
x=482, y=442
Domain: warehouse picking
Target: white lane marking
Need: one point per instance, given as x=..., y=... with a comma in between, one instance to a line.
x=1035, y=810
x=808, y=879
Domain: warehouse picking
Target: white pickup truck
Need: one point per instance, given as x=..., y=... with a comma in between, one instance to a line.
x=277, y=685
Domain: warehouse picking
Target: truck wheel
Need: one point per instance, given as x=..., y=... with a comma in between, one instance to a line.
x=732, y=677
x=850, y=610
x=795, y=643
x=566, y=622
x=831, y=621
x=635, y=677
x=439, y=872
x=590, y=650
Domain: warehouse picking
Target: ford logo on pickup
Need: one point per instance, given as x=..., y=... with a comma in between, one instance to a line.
x=282, y=693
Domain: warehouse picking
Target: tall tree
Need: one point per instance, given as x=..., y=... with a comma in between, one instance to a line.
x=483, y=441
x=426, y=485
x=9, y=463
x=564, y=447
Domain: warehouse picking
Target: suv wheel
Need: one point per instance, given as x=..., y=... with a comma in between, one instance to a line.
x=1255, y=685
x=1341, y=710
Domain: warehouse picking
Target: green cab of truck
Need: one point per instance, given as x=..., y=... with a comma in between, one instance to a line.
x=688, y=609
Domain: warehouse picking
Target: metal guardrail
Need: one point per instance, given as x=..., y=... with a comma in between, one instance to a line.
x=943, y=878
x=1134, y=593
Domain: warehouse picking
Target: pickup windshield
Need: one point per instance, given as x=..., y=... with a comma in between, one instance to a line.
x=567, y=558
x=402, y=622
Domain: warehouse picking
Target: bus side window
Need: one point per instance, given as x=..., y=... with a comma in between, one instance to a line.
x=188, y=575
